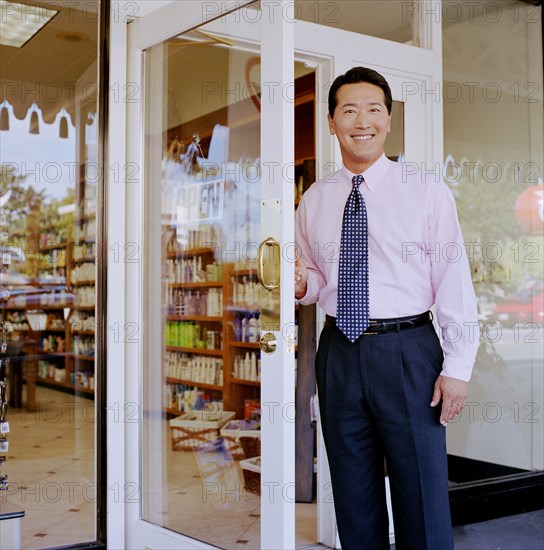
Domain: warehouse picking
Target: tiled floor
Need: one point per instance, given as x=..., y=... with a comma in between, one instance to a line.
x=51, y=472
x=50, y=465
x=51, y=476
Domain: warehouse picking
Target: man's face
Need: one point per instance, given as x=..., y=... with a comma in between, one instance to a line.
x=361, y=124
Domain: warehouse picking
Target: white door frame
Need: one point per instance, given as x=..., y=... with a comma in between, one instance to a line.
x=277, y=370
x=420, y=73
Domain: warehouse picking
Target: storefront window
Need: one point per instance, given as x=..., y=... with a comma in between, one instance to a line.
x=49, y=175
x=392, y=20
x=494, y=165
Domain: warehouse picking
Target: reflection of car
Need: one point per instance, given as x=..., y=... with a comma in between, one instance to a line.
x=526, y=306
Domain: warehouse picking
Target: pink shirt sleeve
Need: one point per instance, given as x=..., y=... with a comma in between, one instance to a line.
x=455, y=300
x=316, y=279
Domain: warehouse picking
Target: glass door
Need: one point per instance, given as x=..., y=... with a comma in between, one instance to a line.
x=210, y=371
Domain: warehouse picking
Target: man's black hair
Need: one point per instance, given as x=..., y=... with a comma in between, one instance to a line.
x=354, y=76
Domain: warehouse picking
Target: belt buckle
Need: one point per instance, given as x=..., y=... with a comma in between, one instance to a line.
x=382, y=325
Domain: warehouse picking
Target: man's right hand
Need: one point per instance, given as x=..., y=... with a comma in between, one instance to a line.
x=301, y=279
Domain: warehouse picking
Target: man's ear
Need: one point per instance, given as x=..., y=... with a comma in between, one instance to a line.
x=332, y=129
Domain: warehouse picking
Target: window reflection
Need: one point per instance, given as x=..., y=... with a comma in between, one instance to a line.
x=494, y=146
x=48, y=182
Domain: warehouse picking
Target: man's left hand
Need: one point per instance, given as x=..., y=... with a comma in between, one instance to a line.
x=453, y=394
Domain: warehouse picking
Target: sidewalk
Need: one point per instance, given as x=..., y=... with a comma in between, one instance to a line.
x=520, y=532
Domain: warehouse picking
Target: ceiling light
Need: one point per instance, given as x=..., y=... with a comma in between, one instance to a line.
x=20, y=22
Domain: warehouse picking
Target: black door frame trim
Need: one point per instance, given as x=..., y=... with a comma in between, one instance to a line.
x=497, y=497
x=102, y=274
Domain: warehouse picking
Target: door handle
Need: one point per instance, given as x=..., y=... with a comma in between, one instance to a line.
x=268, y=263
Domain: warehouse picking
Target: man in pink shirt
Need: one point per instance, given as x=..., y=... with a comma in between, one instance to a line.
x=390, y=392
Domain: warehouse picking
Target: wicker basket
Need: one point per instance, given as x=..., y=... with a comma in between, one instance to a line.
x=251, y=468
x=251, y=465
x=234, y=431
x=195, y=427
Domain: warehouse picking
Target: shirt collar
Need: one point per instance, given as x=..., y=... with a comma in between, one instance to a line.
x=374, y=174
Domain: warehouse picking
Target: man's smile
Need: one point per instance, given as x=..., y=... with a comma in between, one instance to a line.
x=364, y=137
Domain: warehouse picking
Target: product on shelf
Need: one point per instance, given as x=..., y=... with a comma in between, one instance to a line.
x=194, y=368
x=247, y=367
x=82, y=321
x=245, y=291
x=83, y=272
x=196, y=302
x=84, y=296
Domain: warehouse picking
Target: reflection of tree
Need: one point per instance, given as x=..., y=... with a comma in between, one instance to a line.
x=487, y=217
x=490, y=362
x=486, y=210
x=24, y=199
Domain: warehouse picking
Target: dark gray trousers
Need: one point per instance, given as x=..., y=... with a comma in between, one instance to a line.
x=374, y=400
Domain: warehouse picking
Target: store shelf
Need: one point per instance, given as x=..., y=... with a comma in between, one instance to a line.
x=242, y=382
x=194, y=318
x=249, y=345
x=189, y=252
x=86, y=241
x=241, y=272
x=244, y=308
x=77, y=387
x=84, y=283
x=82, y=357
x=32, y=307
x=199, y=351
x=201, y=385
x=82, y=389
x=200, y=284
x=53, y=247
x=54, y=382
x=47, y=354
x=83, y=308
x=83, y=260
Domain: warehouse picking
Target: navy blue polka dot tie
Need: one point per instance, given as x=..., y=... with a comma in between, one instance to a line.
x=353, y=300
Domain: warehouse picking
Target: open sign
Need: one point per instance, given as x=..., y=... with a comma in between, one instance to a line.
x=200, y=202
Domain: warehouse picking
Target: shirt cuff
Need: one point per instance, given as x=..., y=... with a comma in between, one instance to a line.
x=311, y=295
x=457, y=368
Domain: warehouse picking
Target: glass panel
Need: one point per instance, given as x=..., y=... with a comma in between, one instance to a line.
x=48, y=180
x=494, y=146
x=201, y=436
x=391, y=20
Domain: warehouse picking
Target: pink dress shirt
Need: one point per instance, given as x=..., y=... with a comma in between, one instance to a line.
x=416, y=252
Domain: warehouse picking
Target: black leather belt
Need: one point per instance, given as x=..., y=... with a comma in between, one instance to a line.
x=381, y=326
